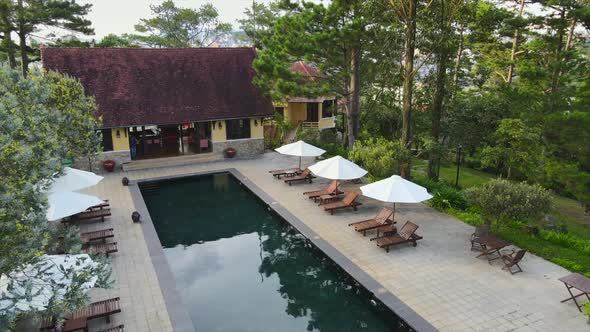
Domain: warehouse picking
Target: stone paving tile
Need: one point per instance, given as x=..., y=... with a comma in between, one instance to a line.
x=440, y=278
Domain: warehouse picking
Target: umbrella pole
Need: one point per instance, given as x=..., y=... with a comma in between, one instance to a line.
x=299, y=162
x=393, y=215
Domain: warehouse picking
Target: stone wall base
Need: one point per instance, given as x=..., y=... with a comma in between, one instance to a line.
x=245, y=148
x=119, y=157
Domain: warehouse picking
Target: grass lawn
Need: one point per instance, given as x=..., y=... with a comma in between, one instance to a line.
x=565, y=209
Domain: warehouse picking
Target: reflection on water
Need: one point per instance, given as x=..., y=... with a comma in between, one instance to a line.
x=241, y=268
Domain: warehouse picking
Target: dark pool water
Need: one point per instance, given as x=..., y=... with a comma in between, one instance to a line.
x=240, y=267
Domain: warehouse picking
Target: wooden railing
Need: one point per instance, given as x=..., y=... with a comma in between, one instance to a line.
x=310, y=125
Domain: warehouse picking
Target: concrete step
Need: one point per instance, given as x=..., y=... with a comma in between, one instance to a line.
x=171, y=161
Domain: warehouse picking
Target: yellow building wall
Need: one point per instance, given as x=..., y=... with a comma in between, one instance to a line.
x=256, y=129
x=296, y=112
x=218, y=135
x=121, y=142
x=327, y=123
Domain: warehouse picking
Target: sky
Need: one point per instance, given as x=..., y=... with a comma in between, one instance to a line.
x=119, y=16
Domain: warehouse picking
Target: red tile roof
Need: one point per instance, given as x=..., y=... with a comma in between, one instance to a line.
x=164, y=86
x=305, y=69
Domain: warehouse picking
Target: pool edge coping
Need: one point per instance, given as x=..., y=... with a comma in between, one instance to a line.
x=177, y=311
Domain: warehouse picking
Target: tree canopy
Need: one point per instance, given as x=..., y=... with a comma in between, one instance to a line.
x=174, y=26
x=44, y=119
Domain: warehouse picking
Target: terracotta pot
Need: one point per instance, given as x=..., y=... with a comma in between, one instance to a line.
x=109, y=165
x=230, y=152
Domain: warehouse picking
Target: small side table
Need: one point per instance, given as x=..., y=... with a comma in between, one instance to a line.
x=579, y=282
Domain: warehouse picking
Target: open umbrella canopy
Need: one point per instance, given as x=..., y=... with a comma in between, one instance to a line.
x=74, y=179
x=396, y=189
x=300, y=149
x=65, y=204
x=337, y=168
x=32, y=287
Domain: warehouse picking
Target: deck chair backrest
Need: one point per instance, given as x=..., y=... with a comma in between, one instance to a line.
x=383, y=216
x=518, y=257
x=350, y=197
x=332, y=187
x=306, y=172
x=407, y=230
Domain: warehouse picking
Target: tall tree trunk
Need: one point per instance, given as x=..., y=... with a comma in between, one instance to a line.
x=439, y=94
x=23, y=54
x=514, y=48
x=9, y=47
x=406, y=138
x=22, y=38
x=353, y=110
x=568, y=45
x=437, y=109
x=557, y=70
x=457, y=63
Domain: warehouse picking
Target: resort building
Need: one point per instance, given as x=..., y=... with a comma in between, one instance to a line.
x=169, y=102
x=309, y=113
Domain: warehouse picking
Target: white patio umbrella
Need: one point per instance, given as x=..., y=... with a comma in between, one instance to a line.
x=74, y=179
x=34, y=285
x=300, y=149
x=67, y=203
x=396, y=189
x=337, y=168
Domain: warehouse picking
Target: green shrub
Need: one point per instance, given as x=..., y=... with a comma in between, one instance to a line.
x=444, y=195
x=572, y=266
x=469, y=216
x=311, y=136
x=501, y=199
x=380, y=157
x=329, y=136
x=587, y=309
x=566, y=240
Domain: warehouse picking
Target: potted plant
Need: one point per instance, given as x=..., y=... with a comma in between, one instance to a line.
x=109, y=165
x=230, y=152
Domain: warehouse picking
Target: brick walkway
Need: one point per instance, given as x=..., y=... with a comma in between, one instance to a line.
x=440, y=278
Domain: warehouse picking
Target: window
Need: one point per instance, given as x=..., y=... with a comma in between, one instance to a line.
x=107, y=140
x=327, y=108
x=237, y=129
x=280, y=110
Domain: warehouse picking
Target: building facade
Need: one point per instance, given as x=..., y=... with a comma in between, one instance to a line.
x=309, y=113
x=169, y=102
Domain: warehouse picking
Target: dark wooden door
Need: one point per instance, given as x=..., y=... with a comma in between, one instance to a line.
x=312, y=112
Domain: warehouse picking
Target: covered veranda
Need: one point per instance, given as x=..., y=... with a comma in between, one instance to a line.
x=160, y=141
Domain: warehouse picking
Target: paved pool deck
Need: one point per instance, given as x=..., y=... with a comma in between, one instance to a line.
x=440, y=279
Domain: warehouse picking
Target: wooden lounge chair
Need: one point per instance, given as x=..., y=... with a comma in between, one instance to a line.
x=101, y=248
x=102, y=234
x=349, y=201
x=104, y=204
x=332, y=189
x=405, y=235
x=512, y=259
x=280, y=172
x=90, y=215
x=380, y=220
x=98, y=309
x=481, y=230
x=120, y=328
x=304, y=176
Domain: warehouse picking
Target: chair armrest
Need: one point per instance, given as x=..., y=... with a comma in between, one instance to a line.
x=508, y=253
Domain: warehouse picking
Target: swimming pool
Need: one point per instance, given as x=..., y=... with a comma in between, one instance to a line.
x=240, y=267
